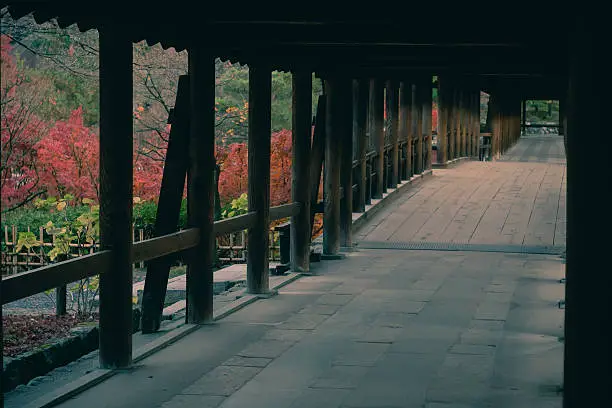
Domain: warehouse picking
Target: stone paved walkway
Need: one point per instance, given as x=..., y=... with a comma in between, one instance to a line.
x=391, y=328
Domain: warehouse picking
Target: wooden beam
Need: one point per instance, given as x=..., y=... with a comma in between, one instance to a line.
x=260, y=94
x=201, y=185
x=376, y=132
x=393, y=117
x=300, y=180
x=168, y=208
x=161, y=247
x=345, y=133
x=361, y=92
x=22, y=285
x=333, y=152
x=116, y=172
x=285, y=211
x=317, y=157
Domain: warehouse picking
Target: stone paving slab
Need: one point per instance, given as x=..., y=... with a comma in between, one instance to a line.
x=515, y=201
x=391, y=328
x=312, y=347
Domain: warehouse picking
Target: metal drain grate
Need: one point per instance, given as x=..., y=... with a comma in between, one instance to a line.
x=453, y=246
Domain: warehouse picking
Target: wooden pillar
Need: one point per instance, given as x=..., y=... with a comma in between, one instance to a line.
x=476, y=147
x=462, y=122
x=333, y=163
x=300, y=176
x=501, y=126
x=457, y=121
x=409, y=99
x=393, y=115
x=452, y=120
x=376, y=132
x=419, y=128
x=201, y=185
x=402, y=126
x=361, y=90
x=386, y=137
x=561, y=116
x=475, y=124
x=427, y=122
x=524, y=116
x=344, y=132
x=470, y=126
x=470, y=118
x=442, y=155
x=588, y=310
x=116, y=197
x=260, y=94
x=506, y=121
x=494, y=120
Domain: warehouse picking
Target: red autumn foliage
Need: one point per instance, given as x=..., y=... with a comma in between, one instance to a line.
x=233, y=179
x=21, y=130
x=280, y=168
x=68, y=159
x=148, y=175
x=434, y=117
x=234, y=172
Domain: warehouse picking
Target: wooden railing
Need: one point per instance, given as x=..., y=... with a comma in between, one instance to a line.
x=14, y=262
x=38, y=280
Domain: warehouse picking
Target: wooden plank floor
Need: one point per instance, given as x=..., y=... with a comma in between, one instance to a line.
x=518, y=200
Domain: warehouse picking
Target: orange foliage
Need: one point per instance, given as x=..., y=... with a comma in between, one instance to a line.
x=233, y=179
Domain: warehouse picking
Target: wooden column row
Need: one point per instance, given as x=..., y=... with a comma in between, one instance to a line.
x=355, y=110
x=443, y=116
x=116, y=322
x=418, y=105
x=459, y=119
x=392, y=93
x=506, y=122
x=361, y=90
x=476, y=123
x=427, y=122
x=116, y=325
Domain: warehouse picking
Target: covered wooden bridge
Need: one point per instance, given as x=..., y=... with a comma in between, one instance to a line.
x=362, y=58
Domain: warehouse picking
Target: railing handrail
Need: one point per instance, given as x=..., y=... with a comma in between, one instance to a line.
x=24, y=284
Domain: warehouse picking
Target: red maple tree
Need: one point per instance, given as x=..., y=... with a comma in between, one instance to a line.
x=21, y=130
x=233, y=179
x=68, y=158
